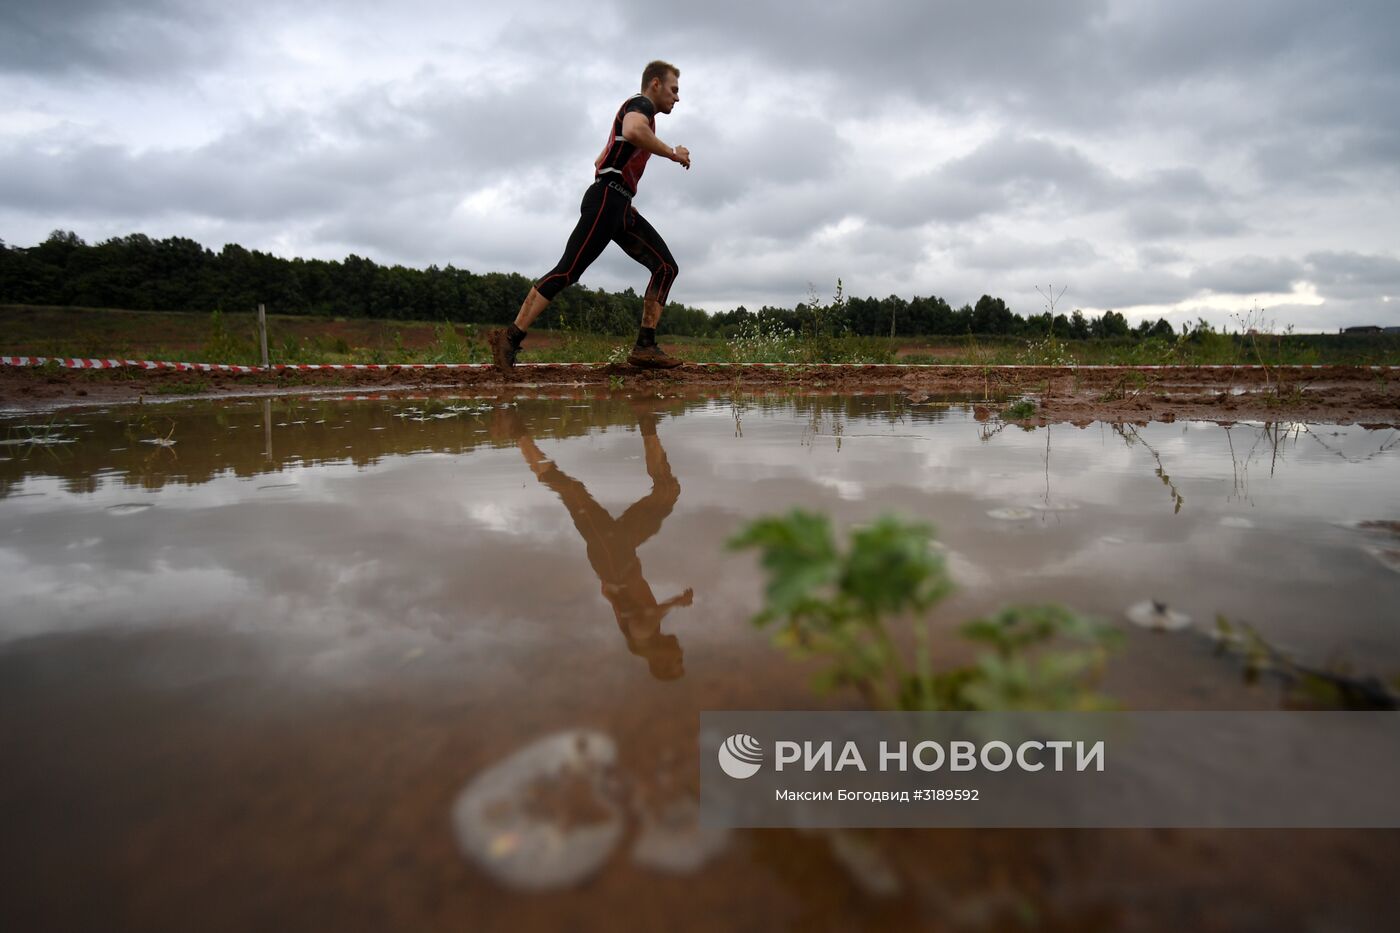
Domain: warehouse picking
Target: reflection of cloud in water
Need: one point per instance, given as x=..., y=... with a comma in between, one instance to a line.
x=83, y=595
x=424, y=552
x=495, y=517
x=966, y=573
x=849, y=490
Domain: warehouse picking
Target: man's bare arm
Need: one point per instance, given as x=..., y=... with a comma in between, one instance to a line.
x=637, y=131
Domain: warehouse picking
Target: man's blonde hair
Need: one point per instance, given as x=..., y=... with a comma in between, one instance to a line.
x=658, y=69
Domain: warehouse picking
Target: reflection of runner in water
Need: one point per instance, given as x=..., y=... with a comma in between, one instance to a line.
x=613, y=542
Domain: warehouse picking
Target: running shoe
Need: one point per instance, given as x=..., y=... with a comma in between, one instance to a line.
x=652, y=357
x=502, y=350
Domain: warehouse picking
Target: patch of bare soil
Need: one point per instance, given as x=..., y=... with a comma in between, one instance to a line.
x=1340, y=394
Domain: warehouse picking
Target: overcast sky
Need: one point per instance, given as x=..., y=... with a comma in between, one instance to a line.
x=1183, y=158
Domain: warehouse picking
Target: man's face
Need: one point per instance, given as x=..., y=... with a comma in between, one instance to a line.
x=667, y=92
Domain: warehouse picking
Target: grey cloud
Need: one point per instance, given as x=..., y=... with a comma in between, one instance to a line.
x=135, y=40
x=1088, y=61
x=1351, y=275
x=1152, y=221
x=1127, y=288
x=1307, y=158
x=934, y=198
x=785, y=214
x=1249, y=275
x=1181, y=184
x=1003, y=173
x=1307, y=87
x=1178, y=202
x=1013, y=172
x=1001, y=253
x=112, y=181
x=886, y=51
x=436, y=145
x=1159, y=255
x=781, y=149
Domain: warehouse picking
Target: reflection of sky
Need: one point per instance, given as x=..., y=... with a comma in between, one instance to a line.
x=466, y=553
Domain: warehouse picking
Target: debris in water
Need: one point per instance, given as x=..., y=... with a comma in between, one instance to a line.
x=38, y=440
x=537, y=820
x=128, y=508
x=1155, y=615
x=1388, y=556
x=1381, y=525
x=1012, y=514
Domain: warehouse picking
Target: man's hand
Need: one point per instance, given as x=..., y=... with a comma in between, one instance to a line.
x=682, y=155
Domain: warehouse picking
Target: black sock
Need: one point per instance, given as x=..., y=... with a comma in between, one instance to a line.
x=646, y=337
x=515, y=334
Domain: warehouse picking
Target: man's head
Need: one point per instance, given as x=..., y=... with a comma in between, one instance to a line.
x=661, y=82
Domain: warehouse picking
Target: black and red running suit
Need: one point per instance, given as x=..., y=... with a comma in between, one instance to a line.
x=606, y=214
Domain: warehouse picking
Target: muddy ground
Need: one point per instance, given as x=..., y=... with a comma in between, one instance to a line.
x=1338, y=394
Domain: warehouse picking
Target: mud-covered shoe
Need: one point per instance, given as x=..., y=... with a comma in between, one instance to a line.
x=503, y=350
x=652, y=357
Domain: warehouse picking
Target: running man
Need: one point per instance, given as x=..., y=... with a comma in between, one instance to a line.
x=607, y=214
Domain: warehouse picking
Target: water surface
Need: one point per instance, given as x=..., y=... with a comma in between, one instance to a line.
x=253, y=648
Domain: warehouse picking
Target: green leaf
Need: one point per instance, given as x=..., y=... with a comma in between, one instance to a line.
x=798, y=553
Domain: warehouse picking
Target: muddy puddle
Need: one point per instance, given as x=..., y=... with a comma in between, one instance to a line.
x=306, y=662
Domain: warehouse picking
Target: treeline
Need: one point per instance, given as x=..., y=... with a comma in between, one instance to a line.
x=178, y=274
x=934, y=316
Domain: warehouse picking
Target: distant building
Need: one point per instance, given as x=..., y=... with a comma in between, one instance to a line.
x=1367, y=329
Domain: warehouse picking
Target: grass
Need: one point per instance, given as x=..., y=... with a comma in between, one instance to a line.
x=189, y=387
x=232, y=338
x=1019, y=411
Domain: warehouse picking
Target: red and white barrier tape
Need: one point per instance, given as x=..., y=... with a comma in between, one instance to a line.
x=300, y=367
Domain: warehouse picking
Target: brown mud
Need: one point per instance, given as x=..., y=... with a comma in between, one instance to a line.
x=1340, y=394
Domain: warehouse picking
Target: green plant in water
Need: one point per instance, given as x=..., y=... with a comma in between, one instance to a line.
x=1019, y=411
x=834, y=605
x=1309, y=687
